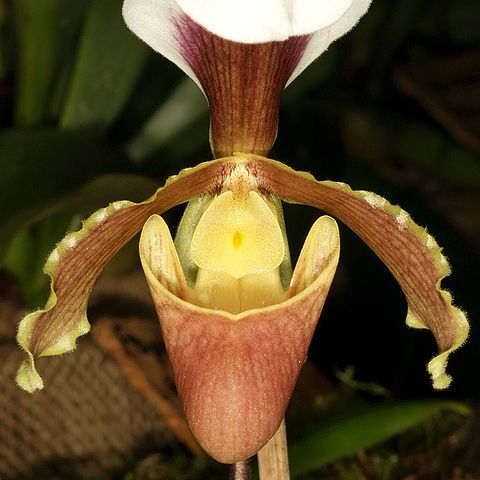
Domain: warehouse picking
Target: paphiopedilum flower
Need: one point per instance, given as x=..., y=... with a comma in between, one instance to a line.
x=236, y=322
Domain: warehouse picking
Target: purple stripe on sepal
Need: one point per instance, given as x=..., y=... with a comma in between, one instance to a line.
x=243, y=84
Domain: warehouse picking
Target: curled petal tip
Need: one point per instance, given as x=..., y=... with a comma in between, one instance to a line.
x=408, y=250
x=28, y=377
x=80, y=257
x=438, y=364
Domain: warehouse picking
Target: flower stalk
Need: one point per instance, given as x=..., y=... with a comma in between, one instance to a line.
x=240, y=470
x=273, y=457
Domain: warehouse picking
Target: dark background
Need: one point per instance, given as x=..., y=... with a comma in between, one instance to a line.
x=90, y=115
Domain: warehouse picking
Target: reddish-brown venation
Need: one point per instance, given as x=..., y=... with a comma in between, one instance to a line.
x=80, y=266
x=400, y=248
x=235, y=377
x=235, y=373
x=243, y=84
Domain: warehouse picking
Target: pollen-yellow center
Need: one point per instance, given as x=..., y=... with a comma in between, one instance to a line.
x=238, y=235
x=237, y=239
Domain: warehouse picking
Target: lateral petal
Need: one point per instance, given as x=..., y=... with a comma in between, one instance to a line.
x=80, y=257
x=408, y=251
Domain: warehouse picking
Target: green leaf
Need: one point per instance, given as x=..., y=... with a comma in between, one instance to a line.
x=346, y=434
x=27, y=252
x=374, y=136
x=105, y=189
x=28, y=249
x=5, y=52
x=109, y=61
x=183, y=107
x=40, y=166
x=45, y=31
x=156, y=83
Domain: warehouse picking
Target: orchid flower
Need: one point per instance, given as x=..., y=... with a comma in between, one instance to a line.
x=236, y=322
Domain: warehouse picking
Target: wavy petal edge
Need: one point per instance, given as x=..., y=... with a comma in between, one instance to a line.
x=447, y=322
x=64, y=340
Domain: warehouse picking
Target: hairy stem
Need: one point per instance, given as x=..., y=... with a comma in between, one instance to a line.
x=240, y=470
x=273, y=457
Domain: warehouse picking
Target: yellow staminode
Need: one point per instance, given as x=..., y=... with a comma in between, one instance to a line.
x=238, y=236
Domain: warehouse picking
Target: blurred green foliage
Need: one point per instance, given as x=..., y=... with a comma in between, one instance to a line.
x=345, y=434
x=44, y=33
x=108, y=63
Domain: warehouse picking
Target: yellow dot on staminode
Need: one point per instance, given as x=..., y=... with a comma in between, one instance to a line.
x=237, y=239
x=238, y=236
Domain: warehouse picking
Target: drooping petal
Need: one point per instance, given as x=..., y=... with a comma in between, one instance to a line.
x=235, y=373
x=409, y=252
x=80, y=257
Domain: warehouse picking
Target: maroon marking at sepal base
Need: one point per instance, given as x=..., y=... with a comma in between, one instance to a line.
x=243, y=84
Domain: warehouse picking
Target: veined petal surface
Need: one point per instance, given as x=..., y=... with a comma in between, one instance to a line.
x=242, y=54
x=409, y=252
x=242, y=82
x=80, y=257
x=235, y=373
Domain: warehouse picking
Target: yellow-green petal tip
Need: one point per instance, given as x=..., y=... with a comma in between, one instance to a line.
x=28, y=377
